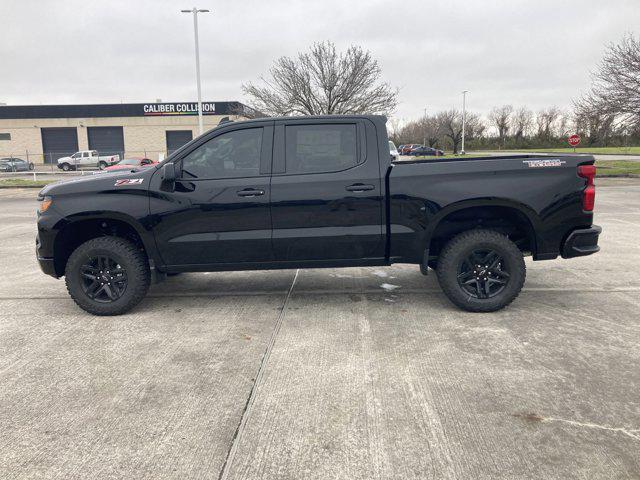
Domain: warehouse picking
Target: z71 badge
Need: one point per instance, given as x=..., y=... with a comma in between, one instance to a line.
x=552, y=162
x=128, y=181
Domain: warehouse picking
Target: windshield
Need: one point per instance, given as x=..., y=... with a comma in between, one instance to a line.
x=392, y=145
x=129, y=161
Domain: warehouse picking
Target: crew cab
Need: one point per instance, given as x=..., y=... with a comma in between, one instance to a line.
x=309, y=192
x=87, y=158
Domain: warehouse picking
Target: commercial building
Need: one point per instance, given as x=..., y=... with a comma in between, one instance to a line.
x=44, y=133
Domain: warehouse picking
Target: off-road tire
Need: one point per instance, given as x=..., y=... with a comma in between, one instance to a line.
x=128, y=255
x=457, y=249
x=66, y=167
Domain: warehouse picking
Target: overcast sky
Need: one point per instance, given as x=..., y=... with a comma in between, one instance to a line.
x=521, y=52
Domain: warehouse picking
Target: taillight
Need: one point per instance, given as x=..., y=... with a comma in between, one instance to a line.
x=589, y=193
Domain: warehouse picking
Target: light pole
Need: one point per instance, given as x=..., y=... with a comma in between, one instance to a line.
x=195, y=12
x=424, y=120
x=464, y=116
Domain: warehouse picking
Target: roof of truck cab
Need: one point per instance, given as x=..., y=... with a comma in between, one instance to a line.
x=307, y=117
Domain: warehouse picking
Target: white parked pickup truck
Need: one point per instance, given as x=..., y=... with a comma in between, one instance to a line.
x=87, y=158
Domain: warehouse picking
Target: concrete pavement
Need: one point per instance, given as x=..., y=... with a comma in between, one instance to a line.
x=341, y=373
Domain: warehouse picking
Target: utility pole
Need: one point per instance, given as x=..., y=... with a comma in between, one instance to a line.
x=464, y=117
x=195, y=12
x=424, y=119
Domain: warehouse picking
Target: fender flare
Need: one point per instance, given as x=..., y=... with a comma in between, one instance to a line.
x=529, y=213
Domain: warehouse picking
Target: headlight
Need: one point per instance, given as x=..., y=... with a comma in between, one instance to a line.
x=45, y=203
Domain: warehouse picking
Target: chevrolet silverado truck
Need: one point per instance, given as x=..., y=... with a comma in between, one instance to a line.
x=87, y=158
x=309, y=192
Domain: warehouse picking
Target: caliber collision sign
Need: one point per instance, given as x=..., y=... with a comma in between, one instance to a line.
x=208, y=108
x=574, y=140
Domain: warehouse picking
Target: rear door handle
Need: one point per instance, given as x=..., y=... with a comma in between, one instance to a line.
x=250, y=192
x=359, y=187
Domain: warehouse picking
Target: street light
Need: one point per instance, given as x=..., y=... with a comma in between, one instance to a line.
x=195, y=12
x=424, y=121
x=464, y=116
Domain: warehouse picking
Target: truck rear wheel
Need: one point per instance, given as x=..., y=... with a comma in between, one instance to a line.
x=107, y=276
x=102, y=165
x=481, y=271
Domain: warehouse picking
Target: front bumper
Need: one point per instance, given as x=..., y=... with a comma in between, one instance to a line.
x=581, y=242
x=47, y=264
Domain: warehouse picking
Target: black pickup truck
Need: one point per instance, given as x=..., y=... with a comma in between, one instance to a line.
x=310, y=192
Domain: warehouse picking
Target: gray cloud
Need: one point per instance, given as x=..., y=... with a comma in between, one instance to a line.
x=519, y=52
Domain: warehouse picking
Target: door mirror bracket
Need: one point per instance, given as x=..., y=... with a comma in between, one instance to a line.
x=169, y=176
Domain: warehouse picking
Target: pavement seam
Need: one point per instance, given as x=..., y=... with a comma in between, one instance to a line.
x=228, y=462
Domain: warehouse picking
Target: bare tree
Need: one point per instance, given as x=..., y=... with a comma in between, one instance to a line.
x=545, y=122
x=597, y=127
x=500, y=117
x=522, y=123
x=324, y=82
x=450, y=122
x=616, y=83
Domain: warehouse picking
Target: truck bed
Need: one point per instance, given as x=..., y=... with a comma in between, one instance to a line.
x=543, y=189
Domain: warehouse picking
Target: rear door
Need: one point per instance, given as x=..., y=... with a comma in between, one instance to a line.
x=326, y=191
x=219, y=211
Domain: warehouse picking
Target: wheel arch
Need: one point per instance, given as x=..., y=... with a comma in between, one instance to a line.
x=75, y=230
x=516, y=220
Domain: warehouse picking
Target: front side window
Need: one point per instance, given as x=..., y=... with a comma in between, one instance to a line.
x=320, y=148
x=232, y=154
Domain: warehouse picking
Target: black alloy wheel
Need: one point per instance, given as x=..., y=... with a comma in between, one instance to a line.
x=483, y=273
x=103, y=279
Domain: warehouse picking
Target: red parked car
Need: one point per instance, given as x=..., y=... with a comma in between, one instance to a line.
x=130, y=163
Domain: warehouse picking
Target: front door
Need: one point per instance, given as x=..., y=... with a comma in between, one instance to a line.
x=326, y=193
x=219, y=211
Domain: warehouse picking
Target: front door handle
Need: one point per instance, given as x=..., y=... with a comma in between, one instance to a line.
x=250, y=192
x=359, y=187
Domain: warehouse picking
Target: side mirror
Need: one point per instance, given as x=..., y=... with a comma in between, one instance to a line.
x=169, y=172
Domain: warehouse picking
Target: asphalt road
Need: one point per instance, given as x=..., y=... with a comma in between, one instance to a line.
x=356, y=373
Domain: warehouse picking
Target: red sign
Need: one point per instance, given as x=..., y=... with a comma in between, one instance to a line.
x=574, y=140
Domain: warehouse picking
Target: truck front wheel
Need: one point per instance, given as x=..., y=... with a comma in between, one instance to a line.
x=66, y=167
x=107, y=275
x=481, y=270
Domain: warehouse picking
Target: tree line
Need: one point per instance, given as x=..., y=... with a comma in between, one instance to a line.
x=508, y=127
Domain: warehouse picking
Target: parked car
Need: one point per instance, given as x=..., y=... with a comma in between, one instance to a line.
x=13, y=164
x=393, y=151
x=87, y=158
x=315, y=192
x=407, y=148
x=131, y=163
x=425, y=152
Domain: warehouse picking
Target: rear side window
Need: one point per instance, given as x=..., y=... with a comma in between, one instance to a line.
x=232, y=154
x=320, y=148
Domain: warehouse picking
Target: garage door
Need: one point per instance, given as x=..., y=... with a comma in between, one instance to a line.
x=177, y=138
x=106, y=140
x=59, y=142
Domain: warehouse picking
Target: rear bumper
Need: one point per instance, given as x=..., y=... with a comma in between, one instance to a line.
x=581, y=242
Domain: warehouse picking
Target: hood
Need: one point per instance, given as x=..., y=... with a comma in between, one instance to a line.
x=64, y=159
x=99, y=183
